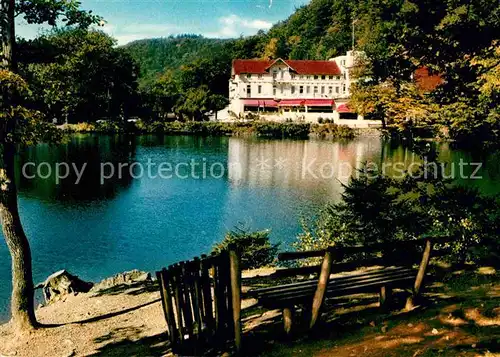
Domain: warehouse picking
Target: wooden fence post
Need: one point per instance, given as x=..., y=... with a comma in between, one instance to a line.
x=235, y=273
x=167, y=305
x=208, y=308
x=410, y=302
x=175, y=278
x=319, y=295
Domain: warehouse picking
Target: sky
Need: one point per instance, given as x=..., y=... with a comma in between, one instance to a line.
x=129, y=20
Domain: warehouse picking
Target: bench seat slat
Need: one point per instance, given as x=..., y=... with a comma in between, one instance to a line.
x=332, y=291
x=338, y=280
x=336, y=284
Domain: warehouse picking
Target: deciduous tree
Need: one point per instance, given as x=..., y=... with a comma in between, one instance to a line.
x=18, y=125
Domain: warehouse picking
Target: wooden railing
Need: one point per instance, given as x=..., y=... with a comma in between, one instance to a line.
x=202, y=302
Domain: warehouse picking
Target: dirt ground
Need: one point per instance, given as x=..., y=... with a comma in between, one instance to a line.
x=459, y=316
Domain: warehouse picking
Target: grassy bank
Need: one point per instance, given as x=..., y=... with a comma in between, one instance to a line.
x=257, y=128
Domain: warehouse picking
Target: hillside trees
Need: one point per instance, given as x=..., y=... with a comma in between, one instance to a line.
x=81, y=75
x=456, y=39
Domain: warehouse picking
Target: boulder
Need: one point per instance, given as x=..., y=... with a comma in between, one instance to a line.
x=126, y=278
x=62, y=283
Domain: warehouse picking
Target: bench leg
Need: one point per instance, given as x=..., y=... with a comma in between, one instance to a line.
x=419, y=281
x=288, y=313
x=385, y=296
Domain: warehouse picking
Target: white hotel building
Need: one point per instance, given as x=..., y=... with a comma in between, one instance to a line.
x=294, y=89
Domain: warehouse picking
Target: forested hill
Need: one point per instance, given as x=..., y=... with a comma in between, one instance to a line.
x=157, y=55
x=319, y=30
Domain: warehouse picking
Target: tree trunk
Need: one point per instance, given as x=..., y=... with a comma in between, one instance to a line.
x=22, y=303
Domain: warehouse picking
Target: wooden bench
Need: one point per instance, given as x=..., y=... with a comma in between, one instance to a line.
x=396, y=265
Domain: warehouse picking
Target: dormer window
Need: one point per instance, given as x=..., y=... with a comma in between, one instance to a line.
x=259, y=76
x=292, y=75
x=249, y=75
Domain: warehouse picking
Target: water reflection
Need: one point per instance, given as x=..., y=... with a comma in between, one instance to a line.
x=83, y=154
x=314, y=166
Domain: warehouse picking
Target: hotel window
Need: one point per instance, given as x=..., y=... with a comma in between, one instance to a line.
x=292, y=75
x=337, y=90
x=308, y=89
x=282, y=73
x=249, y=76
x=274, y=90
x=308, y=77
x=330, y=90
x=322, y=90
x=293, y=89
x=281, y=89
x=259, y=89
x=315, y=77
x=323, y=77
x=343, y=88
x=275, y=74
x=249, y=91
x=259, y=76
x=301, y=89
x=315, y=90
x=330, y=77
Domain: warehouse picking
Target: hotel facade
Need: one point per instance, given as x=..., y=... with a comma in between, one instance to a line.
x=299, y=90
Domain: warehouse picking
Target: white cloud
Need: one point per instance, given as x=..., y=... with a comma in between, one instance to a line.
x=225, y=27
x=132, y=32
x=233, y=26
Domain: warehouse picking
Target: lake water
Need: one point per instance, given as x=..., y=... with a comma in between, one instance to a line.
x=140, y=219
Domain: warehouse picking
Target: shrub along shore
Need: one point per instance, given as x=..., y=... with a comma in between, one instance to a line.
x=256, y=128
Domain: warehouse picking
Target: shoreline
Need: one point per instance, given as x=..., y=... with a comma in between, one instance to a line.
x=261, y=129
x=126, y=318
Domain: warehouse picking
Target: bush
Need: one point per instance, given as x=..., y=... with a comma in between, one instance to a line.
x=255, y=248
x=109, y=127
x=282, y=130
x=80, y=128
x=377, y=208
x=331, y=130
x=277, y=130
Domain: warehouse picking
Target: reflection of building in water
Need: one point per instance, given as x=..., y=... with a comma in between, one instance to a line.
x=317, y=166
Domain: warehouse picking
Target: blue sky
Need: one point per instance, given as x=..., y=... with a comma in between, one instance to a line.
x=129, y=20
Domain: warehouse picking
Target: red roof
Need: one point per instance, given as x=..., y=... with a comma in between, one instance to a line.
x=315, y=67
x=299, y=66
x=251, y=66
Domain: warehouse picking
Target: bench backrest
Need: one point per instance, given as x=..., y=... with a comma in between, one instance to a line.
x=198, y=298
x=348, y=258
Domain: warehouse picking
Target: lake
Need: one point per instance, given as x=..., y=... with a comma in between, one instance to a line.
x=121, y=203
